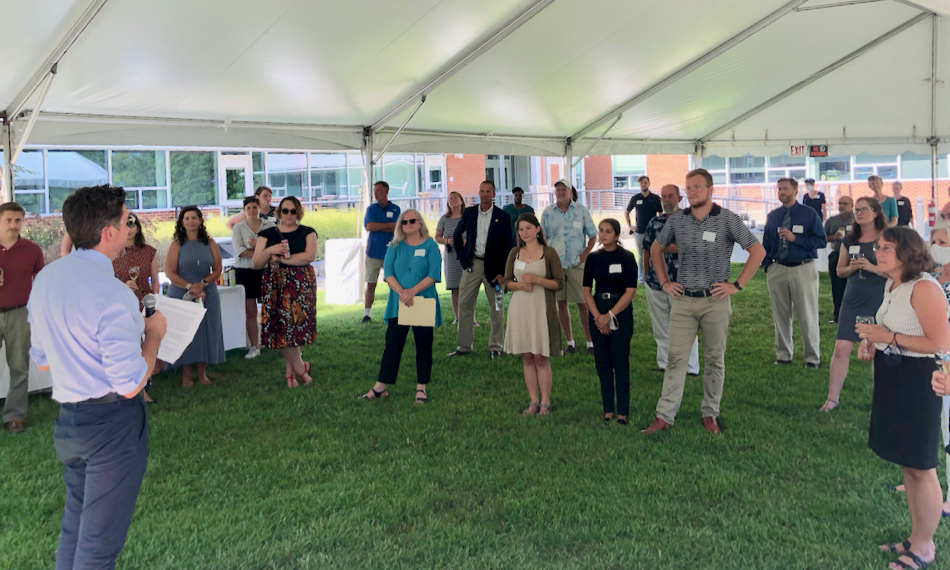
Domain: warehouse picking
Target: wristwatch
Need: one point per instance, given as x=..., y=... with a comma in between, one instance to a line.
x=736, y=283
x=205, y=283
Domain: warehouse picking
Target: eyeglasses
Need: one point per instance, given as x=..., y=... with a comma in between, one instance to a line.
x=863, y=209
x=407, y=222
x=130, y=222
x=288, y=211
x=884, y=248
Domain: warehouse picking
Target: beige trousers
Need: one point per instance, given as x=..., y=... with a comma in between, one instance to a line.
x=468, y=296
x=795, y=290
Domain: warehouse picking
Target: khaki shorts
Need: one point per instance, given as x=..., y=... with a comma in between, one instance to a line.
x=573, y=291
x=372, y=268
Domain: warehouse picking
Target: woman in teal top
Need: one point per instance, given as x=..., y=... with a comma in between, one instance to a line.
x=888, y=203
x=412, y=267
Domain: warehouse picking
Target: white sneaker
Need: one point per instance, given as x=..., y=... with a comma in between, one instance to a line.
x=253, y=353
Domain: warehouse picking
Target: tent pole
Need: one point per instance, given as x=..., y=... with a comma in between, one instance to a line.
x=33, y=115
x=581, y=156
x=7, y=162
x=366, y=196
x=698, y=156
x=399, y=130
x=933, y=108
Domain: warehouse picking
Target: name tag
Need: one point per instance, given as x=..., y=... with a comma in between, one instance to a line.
x=420, y=253
x=638, y=202
x=520, y=264
x=900, y=203
x=579, y=225
x=798, y=229
x=389, y=214
x=615, y=268
x=847, y=228
x=709, y=236
x=854, y=250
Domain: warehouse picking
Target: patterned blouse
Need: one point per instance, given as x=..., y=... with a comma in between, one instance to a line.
x=140, y=257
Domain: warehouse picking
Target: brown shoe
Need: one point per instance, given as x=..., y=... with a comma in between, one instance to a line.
x=657, y=425
x=15, y=426
x=710, y=424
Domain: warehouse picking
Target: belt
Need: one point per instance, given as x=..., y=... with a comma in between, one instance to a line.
x=608, y=295
x=805, y=262
x=697, y=292
x=8, y=309
x=480, y=258
x=107, y=399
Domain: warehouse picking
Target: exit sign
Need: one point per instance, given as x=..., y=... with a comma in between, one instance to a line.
x=797, y=150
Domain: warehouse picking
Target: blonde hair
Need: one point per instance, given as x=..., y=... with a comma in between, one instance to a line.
x=941, y=225
x=448, y=209
x=401, y=235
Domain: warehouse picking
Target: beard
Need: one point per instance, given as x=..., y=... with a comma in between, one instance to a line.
x=669, y=208
x=699, y=203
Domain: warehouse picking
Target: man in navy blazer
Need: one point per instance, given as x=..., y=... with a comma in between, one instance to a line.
x=483, y=255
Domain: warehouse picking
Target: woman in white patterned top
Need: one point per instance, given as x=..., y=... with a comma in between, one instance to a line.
x=905, y=411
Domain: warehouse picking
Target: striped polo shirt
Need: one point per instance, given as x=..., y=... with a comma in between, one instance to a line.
x=705, y=246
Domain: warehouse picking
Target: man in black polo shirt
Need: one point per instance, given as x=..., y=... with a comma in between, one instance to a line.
x=704, y=234
x=648, y=206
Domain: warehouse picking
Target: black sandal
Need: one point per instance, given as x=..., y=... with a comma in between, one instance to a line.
x=376, y=395
x=423, y=399
x=622, y=421
x=892, y=547
x=915, y=559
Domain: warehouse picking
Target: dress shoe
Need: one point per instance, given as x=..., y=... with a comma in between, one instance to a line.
x=570, y=349
x=710, y=424
x=657, y=425
x=15, y=426
x=812, y=365
x=783, y=362
x=366, y=319
x=494, y=354
x=458, y=353
x=660, y=370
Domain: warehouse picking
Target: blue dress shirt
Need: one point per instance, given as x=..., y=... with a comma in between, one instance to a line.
x=86, y=326
x=568, y=232
x=809, y=235
x=377, y=241
x=410, y=264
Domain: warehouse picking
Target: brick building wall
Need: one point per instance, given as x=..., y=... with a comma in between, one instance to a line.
x=465, y=172
x=598, y=172
x=666, y=169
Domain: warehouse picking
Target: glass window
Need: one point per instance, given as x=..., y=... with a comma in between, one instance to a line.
x=621, y=182
x=28, y=172
x=834, y=168
x=70, y=170
x=713, y=162
x=399, y=170
x=327, y=175
x=746, y=162
x=257, y=158
x=785, y=161
x=356, y=173
x=888, y=172
x=33, y=202
x=154, y=198
x=630, y=164
x=286, y=173
x=133, y=169
x=918, y=166
x=747, y=169
x=868, y=158
x=192, y=178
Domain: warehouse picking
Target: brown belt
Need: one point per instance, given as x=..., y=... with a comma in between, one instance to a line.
x=8, y=309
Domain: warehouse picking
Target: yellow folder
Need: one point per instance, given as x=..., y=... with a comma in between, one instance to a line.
x=420, y=314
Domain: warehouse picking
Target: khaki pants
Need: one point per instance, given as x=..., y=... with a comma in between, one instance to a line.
x=688, y=316
x=659, y=304
x=795, y=289
x=15, y=334
x=468, y=296
x=641, y=270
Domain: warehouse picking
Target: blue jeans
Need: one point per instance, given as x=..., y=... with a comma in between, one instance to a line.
x=103, y=449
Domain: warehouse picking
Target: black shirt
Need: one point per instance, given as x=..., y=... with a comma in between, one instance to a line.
x=297, y=239
x=614, y=271
x=647, y=208
x=815, y=203
x=905, y=211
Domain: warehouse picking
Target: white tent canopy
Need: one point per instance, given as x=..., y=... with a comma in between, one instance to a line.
x=498, y=76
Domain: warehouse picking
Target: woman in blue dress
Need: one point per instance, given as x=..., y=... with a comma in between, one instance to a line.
x=192, y=265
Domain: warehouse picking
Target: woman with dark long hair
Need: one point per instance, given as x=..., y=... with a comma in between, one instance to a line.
x=614, y=269
x=193, y=265
x=863, y=293
x=533, y=274
x=288, y=288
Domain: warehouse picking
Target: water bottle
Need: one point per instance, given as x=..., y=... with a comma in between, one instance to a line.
x=499, y=298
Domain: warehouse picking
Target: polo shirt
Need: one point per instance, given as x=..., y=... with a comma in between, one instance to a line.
x=836, y=223
x=672, y=260
x=705, y=246
x=19, y=264
x=905, y=211
x=614, y=271
x=647, y=207
x=377, y=241
x=809, y=235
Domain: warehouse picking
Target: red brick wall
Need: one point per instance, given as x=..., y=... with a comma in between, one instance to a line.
x=598, y=173
x=465, y=172
x=666, y=169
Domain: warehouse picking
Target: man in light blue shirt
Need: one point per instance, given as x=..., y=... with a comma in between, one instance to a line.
x=570, y=230
x=87, y=330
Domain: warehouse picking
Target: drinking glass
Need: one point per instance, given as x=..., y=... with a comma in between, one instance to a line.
x=134, y=273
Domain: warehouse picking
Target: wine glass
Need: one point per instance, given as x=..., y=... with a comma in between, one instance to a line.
x=134, y=273
x=861, y=271
x=864, y=320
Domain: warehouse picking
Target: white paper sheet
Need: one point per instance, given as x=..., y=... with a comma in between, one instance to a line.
x=183, y=318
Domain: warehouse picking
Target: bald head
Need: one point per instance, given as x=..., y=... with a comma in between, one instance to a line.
x=670, y=198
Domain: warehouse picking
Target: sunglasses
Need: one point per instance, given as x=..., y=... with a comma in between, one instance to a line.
x=407, y=222
x=289, y=211
x=130, y=222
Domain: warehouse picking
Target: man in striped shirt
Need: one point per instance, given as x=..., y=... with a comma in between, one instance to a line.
x=704, y=234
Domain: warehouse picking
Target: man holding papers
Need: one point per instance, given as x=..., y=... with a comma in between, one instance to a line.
x=87, y=330
x=412, y=267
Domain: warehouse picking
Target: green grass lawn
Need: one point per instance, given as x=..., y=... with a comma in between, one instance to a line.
x=249, y=474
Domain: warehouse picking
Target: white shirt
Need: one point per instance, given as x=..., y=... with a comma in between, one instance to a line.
x=239, y=236
x=481, y=236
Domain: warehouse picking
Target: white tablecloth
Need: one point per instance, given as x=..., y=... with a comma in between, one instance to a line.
x=38, y=380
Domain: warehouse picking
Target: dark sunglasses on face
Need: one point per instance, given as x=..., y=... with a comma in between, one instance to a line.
x=289, y=211
x=407, y=222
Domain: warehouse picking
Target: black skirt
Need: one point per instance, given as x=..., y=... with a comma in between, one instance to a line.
x=905, y=413
x=251, y=280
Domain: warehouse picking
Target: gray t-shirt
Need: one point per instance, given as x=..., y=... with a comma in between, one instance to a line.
x=835, y=223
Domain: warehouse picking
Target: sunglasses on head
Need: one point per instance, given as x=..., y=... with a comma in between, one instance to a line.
x=130, y=222
x=289, y=211
x=407, y=222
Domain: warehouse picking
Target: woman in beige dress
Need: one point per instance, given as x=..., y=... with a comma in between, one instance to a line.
x=533, y=274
